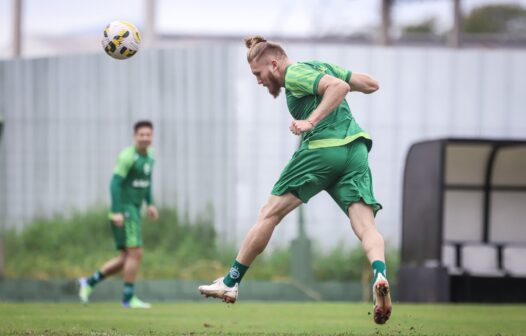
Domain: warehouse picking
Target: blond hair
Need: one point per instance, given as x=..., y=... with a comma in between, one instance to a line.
x=258, y=46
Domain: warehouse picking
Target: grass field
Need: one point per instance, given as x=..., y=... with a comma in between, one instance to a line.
x=215, y=318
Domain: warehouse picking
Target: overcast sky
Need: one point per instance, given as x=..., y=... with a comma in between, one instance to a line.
x=271, y=17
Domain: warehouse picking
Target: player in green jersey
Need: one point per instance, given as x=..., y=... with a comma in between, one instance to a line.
x=130, y=186
x=333, y=156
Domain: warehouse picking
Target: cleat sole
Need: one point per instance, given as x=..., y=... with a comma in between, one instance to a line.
x=227, y=299
x=382, y=309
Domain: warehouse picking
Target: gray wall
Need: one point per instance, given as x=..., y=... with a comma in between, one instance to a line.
x=221, y=139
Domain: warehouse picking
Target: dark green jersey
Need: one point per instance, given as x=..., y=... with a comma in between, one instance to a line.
x=132, y=177
x=301, y=88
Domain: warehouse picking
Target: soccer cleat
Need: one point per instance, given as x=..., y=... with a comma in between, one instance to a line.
x=219, y=290
x=84, y=290
x=135, y=302
x=382, y=300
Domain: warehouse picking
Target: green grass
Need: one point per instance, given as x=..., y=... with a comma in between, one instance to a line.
x=215, y=318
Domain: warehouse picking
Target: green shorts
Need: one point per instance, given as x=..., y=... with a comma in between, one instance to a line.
x=130, y=234
x=342, y=171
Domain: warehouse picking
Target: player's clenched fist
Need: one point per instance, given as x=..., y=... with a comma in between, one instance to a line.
x=299, y=126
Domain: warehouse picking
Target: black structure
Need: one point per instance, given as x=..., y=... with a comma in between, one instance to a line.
x=464, y=222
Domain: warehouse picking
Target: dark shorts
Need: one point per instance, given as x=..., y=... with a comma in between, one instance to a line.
x=130, y=234
x=342, y=171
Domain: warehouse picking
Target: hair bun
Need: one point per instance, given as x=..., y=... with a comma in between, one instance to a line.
x=252, y=41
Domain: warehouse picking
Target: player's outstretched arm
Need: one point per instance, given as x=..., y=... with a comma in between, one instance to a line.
x=363, y=82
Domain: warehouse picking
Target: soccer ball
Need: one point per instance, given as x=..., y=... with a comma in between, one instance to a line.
x=121, y=40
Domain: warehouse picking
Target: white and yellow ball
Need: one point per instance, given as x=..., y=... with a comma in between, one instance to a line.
x=121, y=40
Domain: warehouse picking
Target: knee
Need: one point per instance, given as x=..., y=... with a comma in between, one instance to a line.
x=135, y=253
x=122, y=258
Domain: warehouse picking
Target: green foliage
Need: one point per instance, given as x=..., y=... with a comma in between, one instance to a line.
x=494, y=18
x=78, y=245
x=271, y=266
x=425, y=27
x=59, y=246
x=344, y=263
x=175, y=248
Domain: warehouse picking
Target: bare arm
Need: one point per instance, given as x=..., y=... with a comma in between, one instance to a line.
x=363, y=82
x=333, y=91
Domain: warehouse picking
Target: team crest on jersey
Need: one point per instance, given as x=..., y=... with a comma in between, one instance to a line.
x=147, y=169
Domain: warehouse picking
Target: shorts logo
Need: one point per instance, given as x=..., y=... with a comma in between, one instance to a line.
x=234, y=273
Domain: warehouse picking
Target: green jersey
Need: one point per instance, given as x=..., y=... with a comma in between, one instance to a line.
x=301, y=87
x=131, y=183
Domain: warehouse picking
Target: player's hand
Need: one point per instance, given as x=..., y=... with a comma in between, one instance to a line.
x=299, y=126
x=117, y=219
x=152, y=212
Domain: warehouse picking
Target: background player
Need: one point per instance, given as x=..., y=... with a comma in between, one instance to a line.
x=130, y=187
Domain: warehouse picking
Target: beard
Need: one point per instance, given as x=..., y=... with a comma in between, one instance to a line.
x=274, y=87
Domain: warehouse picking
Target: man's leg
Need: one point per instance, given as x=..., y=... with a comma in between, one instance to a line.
x=257, y=238
x=114, y=265
x=130, y=270
x=132, y=263
x=362, y=222
x=270, y=215
x=111, y=267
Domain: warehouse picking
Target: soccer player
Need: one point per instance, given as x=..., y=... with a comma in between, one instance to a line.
x=130, y=186
x=333, y=156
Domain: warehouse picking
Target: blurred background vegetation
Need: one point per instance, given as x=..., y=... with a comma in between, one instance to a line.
x=486, y=19
x=174, y=249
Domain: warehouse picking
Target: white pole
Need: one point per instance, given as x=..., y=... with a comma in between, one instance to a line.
x=17, y=28
x=150, y=33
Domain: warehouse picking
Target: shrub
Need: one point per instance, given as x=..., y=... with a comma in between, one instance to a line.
x=67, y=247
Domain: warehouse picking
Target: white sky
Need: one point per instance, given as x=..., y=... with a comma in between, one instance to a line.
x=276, y=17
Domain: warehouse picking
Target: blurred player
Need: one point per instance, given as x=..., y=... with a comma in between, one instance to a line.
x=130, y=187
x=333, y=157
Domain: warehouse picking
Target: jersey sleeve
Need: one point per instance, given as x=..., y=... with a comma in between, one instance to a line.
x=302, y=80
x=116, y=193
x=148, y=197
x=340, y=72
x=124, y=162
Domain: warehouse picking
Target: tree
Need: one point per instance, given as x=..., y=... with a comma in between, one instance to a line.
x=495, y=19
x=425, y=27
